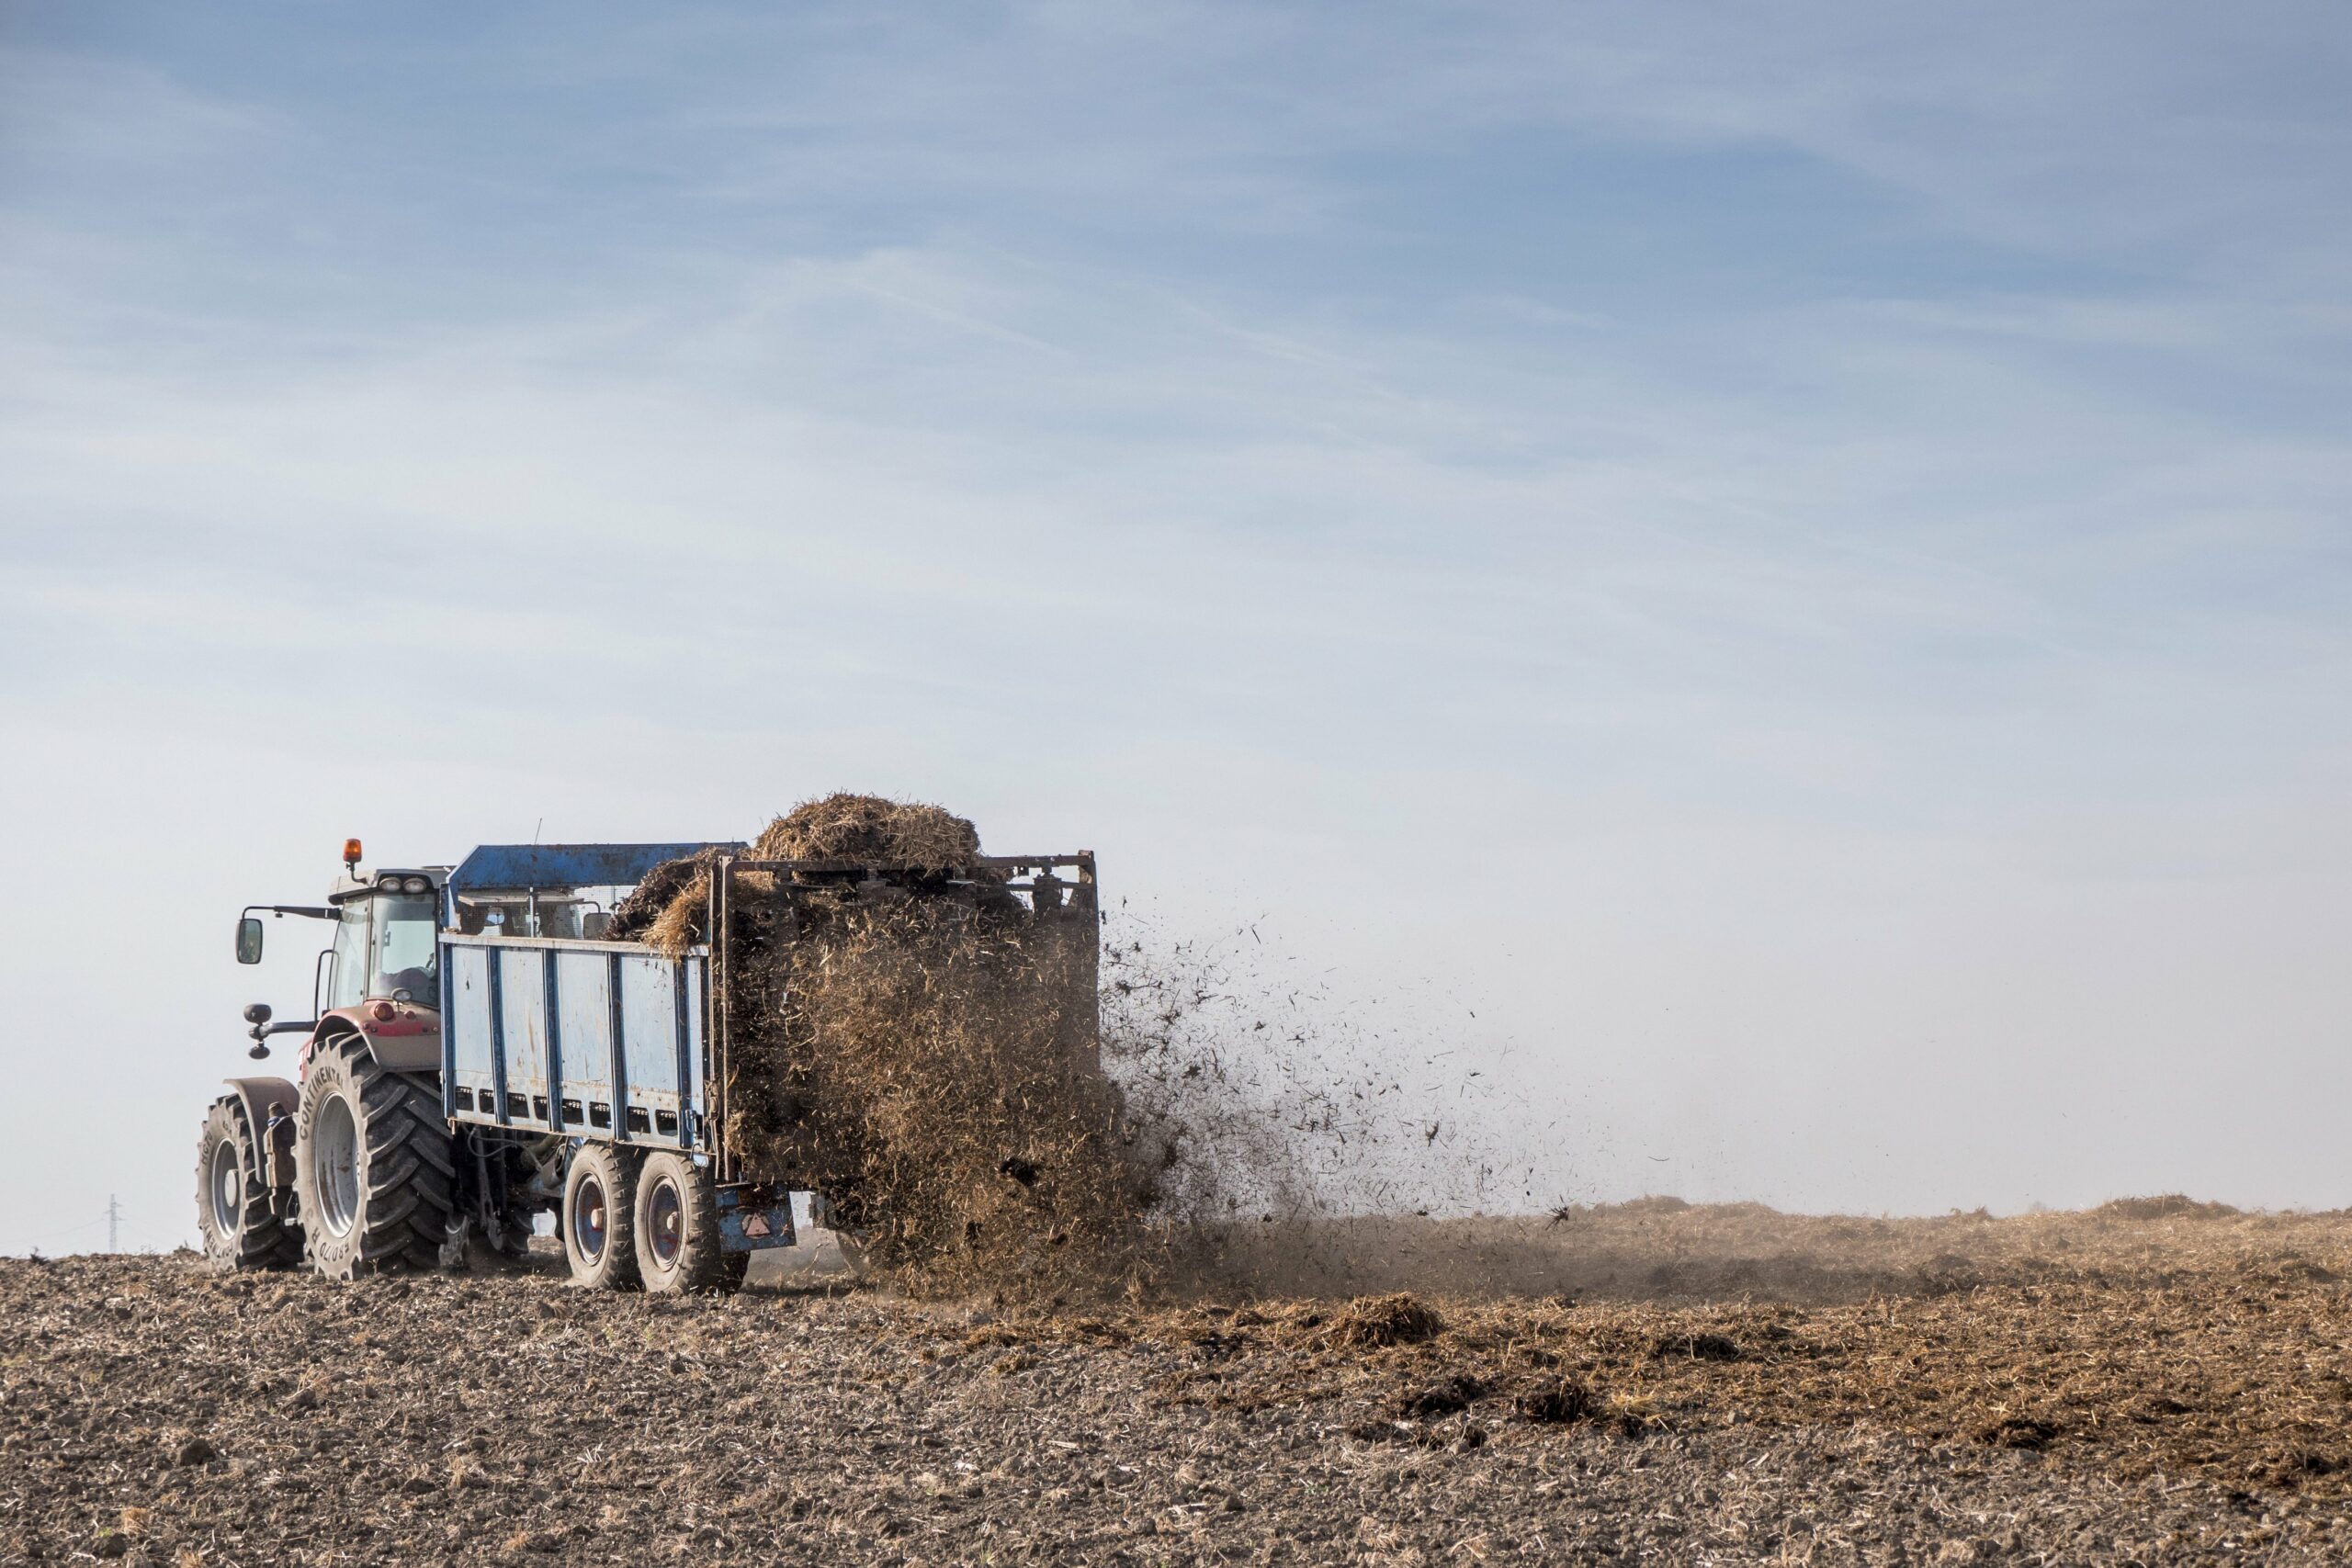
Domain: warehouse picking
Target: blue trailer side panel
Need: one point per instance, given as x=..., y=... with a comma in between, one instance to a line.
x=465, y=1023
x=523, y=1027
x=649, y=1021
x=600, y=1041
x=584, y=1013
x=534, y=1030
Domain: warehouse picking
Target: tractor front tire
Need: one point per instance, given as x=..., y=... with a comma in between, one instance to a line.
x=232, y=1210
x=600, y=1218
x=374, y=1164
x=678, y=1246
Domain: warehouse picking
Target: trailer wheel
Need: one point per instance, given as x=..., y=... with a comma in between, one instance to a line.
x=373, y=1165
x=600, y=1218
x=678, y=1244
x=232, y=1198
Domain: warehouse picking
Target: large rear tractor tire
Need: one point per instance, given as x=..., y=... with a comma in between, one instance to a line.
x=678, y=1246
x=600, y=1218
x=232, y=1210
x=373, y=1164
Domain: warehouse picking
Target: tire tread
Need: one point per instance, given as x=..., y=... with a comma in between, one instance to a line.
x=263, y=1240
x=408, y=1194
x=704, y=1264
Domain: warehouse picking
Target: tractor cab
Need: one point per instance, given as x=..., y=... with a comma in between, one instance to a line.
x=381, y=972
x=384, y=939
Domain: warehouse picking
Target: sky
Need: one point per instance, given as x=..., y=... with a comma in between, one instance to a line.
x=1773, y=581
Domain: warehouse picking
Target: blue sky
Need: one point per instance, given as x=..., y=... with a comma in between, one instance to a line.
x=1793, y=560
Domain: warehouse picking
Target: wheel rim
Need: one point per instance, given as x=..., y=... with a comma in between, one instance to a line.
x=588, y=1218
x=334, y=1164
x=226, y=1183
x=665, y=1222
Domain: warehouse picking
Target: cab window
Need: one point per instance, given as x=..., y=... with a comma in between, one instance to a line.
x=407, y=955
x=348, y=983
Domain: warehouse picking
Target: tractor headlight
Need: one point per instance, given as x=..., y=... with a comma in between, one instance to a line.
x=416, y=884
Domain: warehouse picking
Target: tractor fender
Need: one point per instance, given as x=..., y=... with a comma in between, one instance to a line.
x=406, y=1041
x=276, y=1148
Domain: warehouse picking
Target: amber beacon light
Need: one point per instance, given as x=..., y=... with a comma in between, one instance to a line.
x=351, y=852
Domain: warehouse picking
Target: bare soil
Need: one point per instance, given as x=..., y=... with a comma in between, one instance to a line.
x=2149, y=1384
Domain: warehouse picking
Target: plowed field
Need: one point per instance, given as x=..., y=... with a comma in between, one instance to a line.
x=2164, y=1383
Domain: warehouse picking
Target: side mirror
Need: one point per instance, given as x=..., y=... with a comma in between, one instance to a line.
x=249, y=940
x=257, y=1012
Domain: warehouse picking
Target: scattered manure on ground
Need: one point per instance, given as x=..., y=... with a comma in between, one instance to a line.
x=1558, y=1402
x=2190, y=1402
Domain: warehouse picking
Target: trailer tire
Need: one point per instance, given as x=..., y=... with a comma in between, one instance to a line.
x=374, y=1164
x=233, y=1211
x=678, y=1244
x=599, y=1220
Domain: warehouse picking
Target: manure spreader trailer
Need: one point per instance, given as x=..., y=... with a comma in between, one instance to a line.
x=478, y=1054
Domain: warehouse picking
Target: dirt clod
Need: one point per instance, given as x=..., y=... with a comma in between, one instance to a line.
x=1444, y=1397
x=1557, y=1404
x=1698, y=1347
x=2026, y=1432
x=1379, y=1431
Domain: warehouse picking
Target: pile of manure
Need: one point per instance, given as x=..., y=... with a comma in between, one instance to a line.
x=917, y=1045
x=666, y=888
x=1370, y=1322
x=869, y=827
